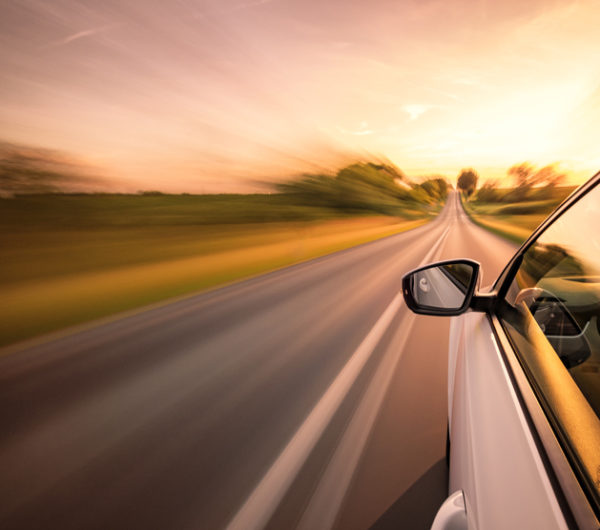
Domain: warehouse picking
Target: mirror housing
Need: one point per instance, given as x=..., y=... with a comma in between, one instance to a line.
x=445, y=288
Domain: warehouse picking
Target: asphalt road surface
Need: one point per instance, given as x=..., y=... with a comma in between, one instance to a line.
x=306, y=398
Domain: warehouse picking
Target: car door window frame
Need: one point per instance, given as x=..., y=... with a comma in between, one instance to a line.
x=579, y=497
x=571, y=497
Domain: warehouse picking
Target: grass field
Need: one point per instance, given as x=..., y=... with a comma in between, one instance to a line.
x=514, y=221
x=67, y=260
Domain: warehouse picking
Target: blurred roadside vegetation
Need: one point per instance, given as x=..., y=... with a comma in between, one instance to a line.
x=515, y=212
x=467, y=181
x=379, y=188
x=68, y=258
x=25, y=169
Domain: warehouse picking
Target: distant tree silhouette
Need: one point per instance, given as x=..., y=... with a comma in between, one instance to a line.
x=368, y=186
x=25, y=169
x=467, y=180
x=489, y=192
x=436, y=187
x=527, y=176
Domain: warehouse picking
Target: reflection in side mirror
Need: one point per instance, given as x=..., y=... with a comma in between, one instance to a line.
x=444, y=288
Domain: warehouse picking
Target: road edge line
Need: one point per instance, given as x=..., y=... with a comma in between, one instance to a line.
x=324, y=505
x=266, y=496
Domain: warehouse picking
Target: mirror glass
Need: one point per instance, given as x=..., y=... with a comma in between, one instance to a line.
x=442, y=286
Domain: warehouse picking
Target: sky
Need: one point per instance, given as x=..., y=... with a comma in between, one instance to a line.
x=208, y=96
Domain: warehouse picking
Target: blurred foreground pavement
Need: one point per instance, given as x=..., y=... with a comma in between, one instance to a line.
x=306, y=396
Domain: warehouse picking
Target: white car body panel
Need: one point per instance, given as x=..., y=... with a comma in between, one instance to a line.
x=494, y=458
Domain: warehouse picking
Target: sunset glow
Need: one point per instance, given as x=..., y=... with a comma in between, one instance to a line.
x=219, y=95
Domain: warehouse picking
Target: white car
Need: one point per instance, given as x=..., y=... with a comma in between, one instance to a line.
x=524, y=377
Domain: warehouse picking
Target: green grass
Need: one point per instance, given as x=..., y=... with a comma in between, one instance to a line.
x=101, y=210
x=46, y=236
x=514, y=221
x=70, y=259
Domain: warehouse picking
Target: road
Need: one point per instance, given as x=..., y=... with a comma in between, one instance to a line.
x=309, y=397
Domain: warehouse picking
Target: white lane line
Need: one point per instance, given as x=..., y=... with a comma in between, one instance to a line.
x=325, y=503
x=262, y=502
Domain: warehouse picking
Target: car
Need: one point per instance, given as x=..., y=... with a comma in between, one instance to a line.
x=523, y=377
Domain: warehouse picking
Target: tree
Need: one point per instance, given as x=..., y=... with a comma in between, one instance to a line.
x=25, y=169
x=522, y=174
x=436, y=187
x=527, y=176
x=489, y=192
x=467, y=181
x=359, y=186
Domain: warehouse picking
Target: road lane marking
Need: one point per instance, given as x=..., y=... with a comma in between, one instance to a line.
x=266, y=496
x=326, y=501
x=257, y=510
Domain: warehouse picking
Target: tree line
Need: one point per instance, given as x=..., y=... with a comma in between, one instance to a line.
x=380, y=188
x=529, y=182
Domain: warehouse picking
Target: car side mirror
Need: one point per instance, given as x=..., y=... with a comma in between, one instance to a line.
x=444, y=288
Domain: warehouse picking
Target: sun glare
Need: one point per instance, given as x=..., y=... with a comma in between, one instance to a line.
x=219, y=99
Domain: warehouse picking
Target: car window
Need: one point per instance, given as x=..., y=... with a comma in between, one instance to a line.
x=552, y=317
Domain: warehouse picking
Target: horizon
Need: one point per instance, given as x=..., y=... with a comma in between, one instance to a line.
x=221, y=96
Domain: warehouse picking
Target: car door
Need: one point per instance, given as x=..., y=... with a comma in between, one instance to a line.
x=524, y=383
x=525, y=402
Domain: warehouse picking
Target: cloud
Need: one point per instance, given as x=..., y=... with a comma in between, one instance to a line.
x=415, y=110
x=247, y=5
x=362, y=131
x=81, y=35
